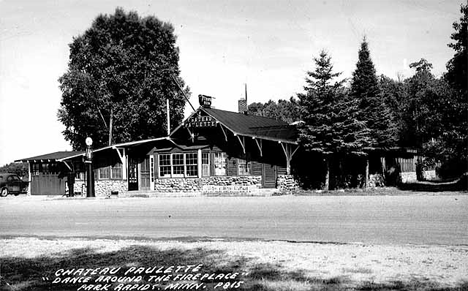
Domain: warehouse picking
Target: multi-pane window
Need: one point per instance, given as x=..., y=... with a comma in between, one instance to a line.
x=79, y=171
x=116, y=171
x=178, y=165
x=220, y=164
x=243, y=167
x=104, y=173
x=35, y=170
x=165, y=165
x=191, y=162
x=110, y=172
x=205, y=164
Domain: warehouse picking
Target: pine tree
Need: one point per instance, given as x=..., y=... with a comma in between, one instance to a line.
x=332, y=127
x=374, y=111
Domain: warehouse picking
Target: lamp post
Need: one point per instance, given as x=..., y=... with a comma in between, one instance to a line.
x=89, y=168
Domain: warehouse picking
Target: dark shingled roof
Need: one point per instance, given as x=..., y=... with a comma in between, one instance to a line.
x=252, y=125
x=52, y=156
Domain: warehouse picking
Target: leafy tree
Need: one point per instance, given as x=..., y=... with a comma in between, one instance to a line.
x=256, y=108
x=450, y=146
x=285, y=110
x=21, y=169
x=121, y=71
x=457, y=72
x=422, y=95
x=365, y=88
x=393, y=93
x=332, y=127
x=435, y=119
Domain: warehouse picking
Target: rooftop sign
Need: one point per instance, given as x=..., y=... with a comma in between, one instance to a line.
x=205, y=101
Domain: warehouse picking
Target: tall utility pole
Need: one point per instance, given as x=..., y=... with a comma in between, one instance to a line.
x=168, y=117
x=110, y=125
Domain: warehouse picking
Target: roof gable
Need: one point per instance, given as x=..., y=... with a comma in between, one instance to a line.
x=250, y=125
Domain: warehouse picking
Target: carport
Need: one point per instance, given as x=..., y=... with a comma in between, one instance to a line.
x=48, y=173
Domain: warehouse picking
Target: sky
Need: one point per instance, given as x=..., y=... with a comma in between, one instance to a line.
x=268, y=45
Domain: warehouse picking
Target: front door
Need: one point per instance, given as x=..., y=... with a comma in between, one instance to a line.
x=269, y=176
x=132, y=174
x=145, y=174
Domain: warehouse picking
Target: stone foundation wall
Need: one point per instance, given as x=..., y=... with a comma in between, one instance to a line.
x=177, y=185
x=79, y=187
x=376, y=180
x=103, y=188
x=232, y=180
x=430, y=175
x=408, y=177
x=215, y=184
x=287, y=183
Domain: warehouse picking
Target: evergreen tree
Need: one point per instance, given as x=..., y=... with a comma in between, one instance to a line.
x=374, y=111
x=332, y=127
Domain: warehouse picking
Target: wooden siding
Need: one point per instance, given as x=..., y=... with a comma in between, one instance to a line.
x=256, y=168
x=231, y=167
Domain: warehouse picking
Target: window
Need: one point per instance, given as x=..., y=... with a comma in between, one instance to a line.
x=220, y=164
x=165, y=165
x=243, y=167
x=79, y=171
x=205, y=164
x=191, y=161
x=104, y=173
x=110, y=172
x=35, y=170
x=79, y=175
x=116, y=171
x=178, y=165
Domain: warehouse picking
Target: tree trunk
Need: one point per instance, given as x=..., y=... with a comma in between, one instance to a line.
x=366, y=178
x=327, y=175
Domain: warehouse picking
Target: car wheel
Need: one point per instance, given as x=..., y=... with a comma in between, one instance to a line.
x=4, y=192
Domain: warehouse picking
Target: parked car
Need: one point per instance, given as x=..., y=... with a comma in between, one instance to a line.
x=11, y=183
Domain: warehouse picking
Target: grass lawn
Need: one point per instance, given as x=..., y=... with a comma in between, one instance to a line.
x=29, y=263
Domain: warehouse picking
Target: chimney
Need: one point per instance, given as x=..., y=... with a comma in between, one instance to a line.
x=242, y=103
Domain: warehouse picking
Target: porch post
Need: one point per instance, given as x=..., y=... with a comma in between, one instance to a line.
x=30, y=178
x=289, y=153
x=123, y=161
x=199, y=163
x=124, y=165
